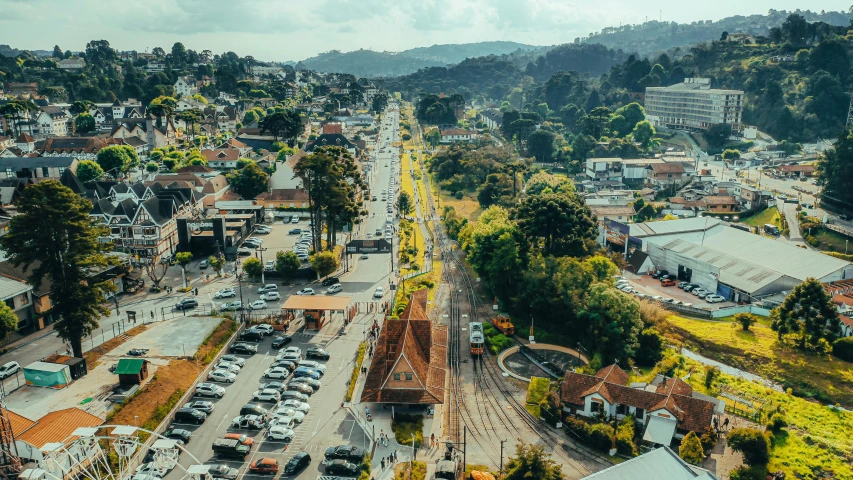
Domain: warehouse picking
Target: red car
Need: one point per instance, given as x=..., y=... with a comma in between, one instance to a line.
x=264, y=465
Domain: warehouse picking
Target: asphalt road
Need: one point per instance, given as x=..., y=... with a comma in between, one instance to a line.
x=327, y=423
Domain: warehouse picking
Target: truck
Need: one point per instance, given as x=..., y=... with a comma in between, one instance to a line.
x=502, y=322
x=230, y=447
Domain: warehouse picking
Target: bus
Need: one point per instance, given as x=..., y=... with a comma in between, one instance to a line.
x=478, y=340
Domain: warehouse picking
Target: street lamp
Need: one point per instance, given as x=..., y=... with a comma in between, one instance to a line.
x=240, y=287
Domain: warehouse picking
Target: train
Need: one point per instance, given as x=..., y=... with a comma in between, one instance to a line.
x=501, y=322
x=478, y=340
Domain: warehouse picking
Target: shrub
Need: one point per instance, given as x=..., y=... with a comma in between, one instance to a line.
x=498, y=343
x=625, y=437
x=691, y=449
x=650, y=350
x=711, y=373
x=651, y=313
x=745, y=320
x=752, y=443
x=843, y=348
x=404, y=425
x=601, y=436
x=709, y=439
x=458, y=195
x=758, y=472
x=777, y=422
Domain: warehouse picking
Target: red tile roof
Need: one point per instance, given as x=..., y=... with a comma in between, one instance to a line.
x=671, y=167
x=221, y=154
x=797, y=168
x=332, y=128
x=283, y=195
x=19, y=423
x=58, y=426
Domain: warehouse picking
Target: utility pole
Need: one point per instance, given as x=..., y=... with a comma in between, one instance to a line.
x=501, y=471
x=240, y=286
x=263, y=269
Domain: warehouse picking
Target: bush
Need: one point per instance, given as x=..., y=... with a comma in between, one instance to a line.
x=625, y=437
x=601, y=436
x=843, y=348
x=404, y=425
x=650, y=350
x=711, y=373
x=498, y=343
x=752, y=443
x=758, y=472
x=691, y=449
x=709, y=439
x=458, y=195
x=777, y=422
x=652, y=313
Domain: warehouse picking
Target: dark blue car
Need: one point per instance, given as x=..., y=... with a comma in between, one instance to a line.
x=306, y=372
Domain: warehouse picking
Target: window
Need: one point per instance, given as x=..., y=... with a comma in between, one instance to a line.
x=61, y=171
x=23, y=299
x=10, y=302
x=638, y=413
x=10, y=173
x=597, y=406
x=621, y=409
x=45, y=172
x=397, y=377
x=408, y=377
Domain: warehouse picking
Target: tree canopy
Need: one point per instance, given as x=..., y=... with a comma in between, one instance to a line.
x=808, y=317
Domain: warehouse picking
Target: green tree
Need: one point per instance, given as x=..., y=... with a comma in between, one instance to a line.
x=84, y=123
x=752, y=443
x=54, y=229
x=404, y=204
x=250, y=181
x=614, y=321
x=544, y=182
x=324, y=263
x=581, y=146
x=152, y=167
x=88, y=170
x=808, y=315
x=163, y=106
x=252, y=266
x=731, y=154
x=250, y=117
x=216, y=263
x=745, y=320
x=633, y=113
x=531, y=462
x=282, y=124
x=691, y=449
x=836, y=169
x=287, y=264
x=113, y=160
x=643, y=133
x=8, y=321
x=184, y=259
x=540, y=144
x=717, y=134
x=650, y=349
x=556, y=223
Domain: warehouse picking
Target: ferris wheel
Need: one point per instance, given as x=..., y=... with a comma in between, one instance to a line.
x=112, y=452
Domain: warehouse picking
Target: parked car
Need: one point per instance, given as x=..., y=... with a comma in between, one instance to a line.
x=179, y=434
x=288, y=364
x=316, y=352
x=281, y=341
x=201, y=405
x=292, y=350
x=306, y=372
x=690, y=287
x=264, y=229
x=314, y=384
x=715, y=298
x=225, y=293
x=242, y=438
x=203, y=264
x=334, y=289
x=306, y=291
x=222, y=376
x=266, y=395
x=313, y=365
x=294, y=231
x=281, y=433
x=9, y=369
x=288, y=412
x=660, y=273
x=300, y=461
x=186, y=304
x=248, y=422
x=296, y=405
x=254, y=409
x=271, y=296
x=349, y=453
x=330, y=281
x=232, y=306
x=190, y=415
x=277, y=386
x=293, y=395
x=269, y=265
x=299, y=387
x=667, y=282
x=258, y=305
x=276, y=372
x=379, y=292
x=209, y=390
x=341, y=468
x=270, y=287
x=230, y=367
x=681, y=285
x=704, y=294
x=244, y=348
x=251, y=335
x=223, y=471
x=233, y=359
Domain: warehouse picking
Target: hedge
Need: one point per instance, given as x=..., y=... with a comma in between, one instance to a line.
x=843, y=348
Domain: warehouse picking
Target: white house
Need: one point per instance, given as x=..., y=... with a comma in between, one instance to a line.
x=71, y=64
x=185, y=87
x=451, y=135
x=52, y=121
x=154, y=67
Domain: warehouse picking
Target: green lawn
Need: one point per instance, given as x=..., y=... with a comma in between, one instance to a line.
x=404, y=425
x=768, y=215
x=833, y=241
x=536, y=390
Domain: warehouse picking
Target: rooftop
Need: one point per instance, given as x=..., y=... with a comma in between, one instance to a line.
x=658, y=464
x=58, y=426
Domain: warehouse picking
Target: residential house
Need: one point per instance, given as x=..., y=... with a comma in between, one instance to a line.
x=14, y=89
x=52, y=121
x=26, y=143
x=332, y=136
x=81, y=148
x=658, y=464
x=624, y=214
x=634, y=170
x=244, y=149
x=40, y=296
x=666, y=404
x=409, y=363
x=721, y=203
x=17, y=294
x=841, y=292
x=185, y=87
x=215, y=188
x=155, y=67
x=188, y=103
x=752, y=198
x=492, y=118
x=58, y=426
x=604, y=169
x=75, y=63
x=285, y=177
x=453, y=135
x=796, y=171
x=280, y=198
x=222, y=158
x=665, y=174
x=155, y=131
x=106, y=115
x=36, y=167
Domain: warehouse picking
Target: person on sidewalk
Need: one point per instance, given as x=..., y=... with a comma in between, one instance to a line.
x=383, y=463
x=432, y=441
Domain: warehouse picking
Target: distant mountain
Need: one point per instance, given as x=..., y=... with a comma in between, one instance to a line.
x=653, y=37
x=368, y=63
x=8, y=51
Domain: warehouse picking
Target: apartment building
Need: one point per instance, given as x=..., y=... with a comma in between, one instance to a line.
x=693, y=105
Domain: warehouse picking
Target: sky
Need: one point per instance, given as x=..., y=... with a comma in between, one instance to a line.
x=279, y=30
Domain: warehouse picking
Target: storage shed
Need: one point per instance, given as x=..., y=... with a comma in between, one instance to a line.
x=131, y=371
x=43, y=374
x=76, y=365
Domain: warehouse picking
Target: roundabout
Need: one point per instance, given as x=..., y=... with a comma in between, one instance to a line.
x=539, y=358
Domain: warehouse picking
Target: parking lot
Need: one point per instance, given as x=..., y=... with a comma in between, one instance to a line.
x=326, y=423
x=652, y=287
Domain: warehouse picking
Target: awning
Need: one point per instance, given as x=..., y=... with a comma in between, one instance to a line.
x=660, y=430
x=316, y=302
x=129, y=366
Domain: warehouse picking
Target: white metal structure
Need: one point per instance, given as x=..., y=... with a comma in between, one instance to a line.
x=87, y=453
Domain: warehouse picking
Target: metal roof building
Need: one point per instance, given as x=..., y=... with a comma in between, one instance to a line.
x=659, y=464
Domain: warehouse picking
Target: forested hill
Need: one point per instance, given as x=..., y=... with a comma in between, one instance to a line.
x=368, y=63
x=496, y=76
x=653, y=37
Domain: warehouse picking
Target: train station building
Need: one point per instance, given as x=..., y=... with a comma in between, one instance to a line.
x=409, y=364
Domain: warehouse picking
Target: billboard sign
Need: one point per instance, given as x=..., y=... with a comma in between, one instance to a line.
x=369, y=246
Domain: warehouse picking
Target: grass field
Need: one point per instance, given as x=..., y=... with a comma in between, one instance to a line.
x=818, y=442
x=758, y=351
x=768, y=215
x=468, y=207
x=536, y=391
x=833, y=241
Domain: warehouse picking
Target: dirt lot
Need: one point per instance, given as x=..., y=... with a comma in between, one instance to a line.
x=93, y=355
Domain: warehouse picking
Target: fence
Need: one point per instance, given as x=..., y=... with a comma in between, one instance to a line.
x=720, y=313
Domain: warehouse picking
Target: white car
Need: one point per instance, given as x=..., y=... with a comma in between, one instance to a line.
x=255, y=240
x=276, y=372
x=290, y=412
x=280, y=432
x=379, y=293
x=230, y=367
x=225, y=293
x=264, y=229
x=152, y=469
x=296, y=405
x=313, y=365
x=304, y=257
x=269, y=266
x=222, y=376
x=334, y=289
x=306, y=291
x=715, y=298
x=209, y=390
x=269, y=296
x=9, y=369
x=258, y=305
x=268, y=288
x=233, y=359
x=231, y=306
x=291, y=351
x=266, y=395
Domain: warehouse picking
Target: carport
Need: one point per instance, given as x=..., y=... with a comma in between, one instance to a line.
x=318, y=309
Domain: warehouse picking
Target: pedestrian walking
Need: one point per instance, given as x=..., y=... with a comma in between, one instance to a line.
x=432, y=440
x=725, y=423
x=395, y=455
x=383, y=464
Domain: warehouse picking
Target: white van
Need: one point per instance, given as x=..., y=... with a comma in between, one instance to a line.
x=9, y=369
